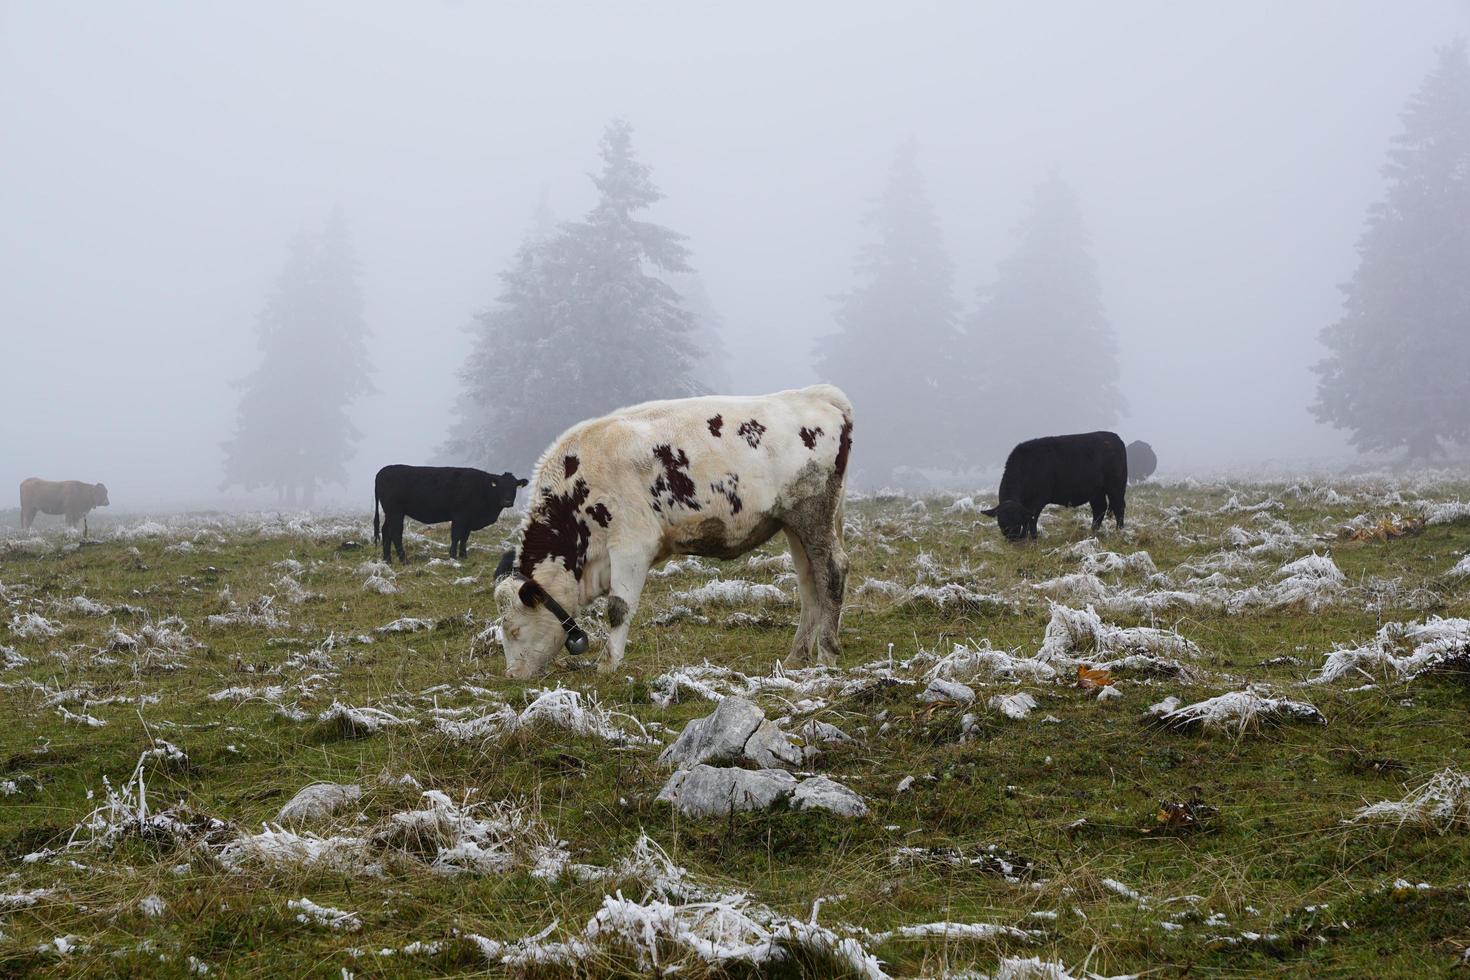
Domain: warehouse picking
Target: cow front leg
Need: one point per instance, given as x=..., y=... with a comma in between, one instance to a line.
x=1115, y=503
x=628, y=573
x=456, y=534
x=1099, y=510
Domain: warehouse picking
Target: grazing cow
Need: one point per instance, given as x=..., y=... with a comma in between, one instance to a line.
x=715, y=476
x=70, y=497
x=468, y=499
x=1141, y=461
x=1067, y=470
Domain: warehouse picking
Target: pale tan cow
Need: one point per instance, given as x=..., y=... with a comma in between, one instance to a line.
x=70, y=497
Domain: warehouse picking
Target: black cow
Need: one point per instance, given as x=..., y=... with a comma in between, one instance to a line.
x=1067, y=470
x=1141, y=461
x=468, y=499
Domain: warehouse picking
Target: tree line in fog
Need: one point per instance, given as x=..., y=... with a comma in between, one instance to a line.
x=607, y=310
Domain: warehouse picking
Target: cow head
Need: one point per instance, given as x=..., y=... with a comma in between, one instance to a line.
x=1011, y=517
x=503, y=489
x=529, y=631
x=99, y=496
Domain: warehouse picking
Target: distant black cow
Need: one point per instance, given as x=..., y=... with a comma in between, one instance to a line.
x=1141, y=461
x=468, y=499
x=1067, y=470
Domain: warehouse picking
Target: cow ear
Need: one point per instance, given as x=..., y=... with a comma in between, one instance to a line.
x=530, y=594
x=991, y=512
x=521, y=483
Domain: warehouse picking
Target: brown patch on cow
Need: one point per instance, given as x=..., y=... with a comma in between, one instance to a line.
x=751, y=431
x=673, y=487
x=711, y=539
x=729, y=488
x=555, y=530
x=715, y=424
x=617, y=611
x=844, y=446
x=809, y=436
x=599, y=513
x=571, y=463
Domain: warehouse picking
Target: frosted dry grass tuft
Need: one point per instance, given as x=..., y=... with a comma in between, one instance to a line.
x=980, y=661
x=560, y=707
x=1240, y=712
x=336, y=920
x=1399, y=651
x=1441, y=804
x=953, y=595
x=732, y=592
x=31, y=625
x=1311, y=581
x=1074, y=635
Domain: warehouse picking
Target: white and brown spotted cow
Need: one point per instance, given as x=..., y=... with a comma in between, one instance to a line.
x=715, y=477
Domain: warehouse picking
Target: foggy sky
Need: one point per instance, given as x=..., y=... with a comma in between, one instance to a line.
x=158, y=158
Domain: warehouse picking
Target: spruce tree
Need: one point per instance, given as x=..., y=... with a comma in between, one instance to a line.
x=1397, y=374
x=1041, y=349
x=293, y=433
x=586, y=322
x=894, y=350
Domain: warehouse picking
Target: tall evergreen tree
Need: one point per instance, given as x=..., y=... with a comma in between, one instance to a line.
x=893, y=350
x=586, y=322
x=1039, y=341
x=293, y=433
x=1398, y=369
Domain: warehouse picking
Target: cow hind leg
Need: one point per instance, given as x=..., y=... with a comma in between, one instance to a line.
x=807, y=624
x=836, y=582
x=398, y=540
x=827, y=563
x=456, y=535
x=392, y=537
x=27, y=518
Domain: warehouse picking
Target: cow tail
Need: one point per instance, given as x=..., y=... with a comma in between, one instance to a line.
x=375, y=515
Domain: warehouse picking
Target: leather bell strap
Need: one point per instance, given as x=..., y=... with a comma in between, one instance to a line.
x=577, y=640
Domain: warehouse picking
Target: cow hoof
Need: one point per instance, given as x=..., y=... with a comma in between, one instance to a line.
x=606, y=666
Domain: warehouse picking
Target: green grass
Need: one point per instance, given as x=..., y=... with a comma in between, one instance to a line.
x=1277, y=845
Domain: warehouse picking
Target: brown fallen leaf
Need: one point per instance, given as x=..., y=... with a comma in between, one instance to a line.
x=1092, y=678
x=1387, y=529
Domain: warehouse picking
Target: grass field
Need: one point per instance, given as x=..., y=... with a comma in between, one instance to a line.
x=155, y=725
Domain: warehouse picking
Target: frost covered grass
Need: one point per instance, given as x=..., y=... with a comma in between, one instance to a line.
x=166, y=704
